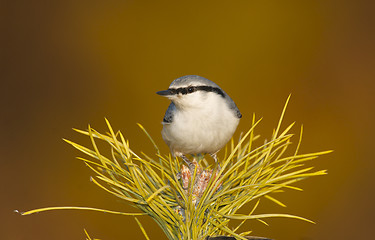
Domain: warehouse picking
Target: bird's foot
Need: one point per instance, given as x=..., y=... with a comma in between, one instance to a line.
x=188, y=163
x=214, y=156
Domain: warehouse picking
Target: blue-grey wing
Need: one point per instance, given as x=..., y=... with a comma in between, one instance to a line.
x=233, y=106
x=238, y=113
x=168, y=117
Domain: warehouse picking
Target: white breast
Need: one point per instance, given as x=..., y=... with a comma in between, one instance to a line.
x=202, y=129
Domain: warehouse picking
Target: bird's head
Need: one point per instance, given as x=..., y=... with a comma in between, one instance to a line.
x=193, y=91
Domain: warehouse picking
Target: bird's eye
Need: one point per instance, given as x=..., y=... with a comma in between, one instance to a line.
x=191, y=89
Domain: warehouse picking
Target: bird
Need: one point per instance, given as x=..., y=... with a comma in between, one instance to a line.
x=200, y=119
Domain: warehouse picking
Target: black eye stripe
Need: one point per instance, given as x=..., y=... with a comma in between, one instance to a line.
x=191, y=89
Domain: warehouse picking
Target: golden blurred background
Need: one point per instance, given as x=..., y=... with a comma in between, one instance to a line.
x=67, y=64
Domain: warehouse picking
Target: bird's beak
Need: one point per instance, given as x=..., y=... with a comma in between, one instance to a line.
x=165, y=93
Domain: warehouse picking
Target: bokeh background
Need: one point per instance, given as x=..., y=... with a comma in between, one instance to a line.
x=67, y=64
